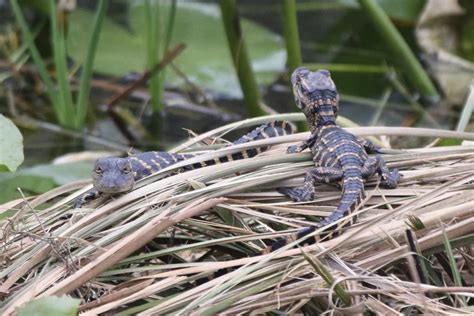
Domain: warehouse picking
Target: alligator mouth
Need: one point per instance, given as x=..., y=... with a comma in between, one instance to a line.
x=114, y=189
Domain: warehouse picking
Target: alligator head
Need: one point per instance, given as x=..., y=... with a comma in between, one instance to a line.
x=113, y=175
x=316, y=95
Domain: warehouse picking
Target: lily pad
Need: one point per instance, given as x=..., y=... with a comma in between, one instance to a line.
x=206, y=60
x=11, y=145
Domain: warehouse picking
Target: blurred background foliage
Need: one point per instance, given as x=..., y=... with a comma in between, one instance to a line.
x=62, y=63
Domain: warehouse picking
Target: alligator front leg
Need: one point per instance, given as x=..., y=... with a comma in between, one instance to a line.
x=376, y=164
x=86, y=197
x=369, y=147
x=302, y=146
x=314, y=176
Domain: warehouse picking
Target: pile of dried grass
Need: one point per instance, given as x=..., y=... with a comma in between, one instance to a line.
x=411, y=250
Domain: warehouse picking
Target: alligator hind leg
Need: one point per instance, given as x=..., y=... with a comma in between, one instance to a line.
x=376, y=164
x=369, y=146
x=313, y=176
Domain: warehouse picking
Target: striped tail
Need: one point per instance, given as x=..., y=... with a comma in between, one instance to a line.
x=352, y=195
x=267, y=130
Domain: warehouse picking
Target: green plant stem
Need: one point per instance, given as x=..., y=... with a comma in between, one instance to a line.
x=467, y=111
x=170, y=26
x=37, y=59
x=167, y=41
x=352, y=68
x=86, y=74
x=240, y=57
x=320, y=269
x=58, y=39
x=452, y=261
x=292, y=39
x=152, y=22
x=400, y=50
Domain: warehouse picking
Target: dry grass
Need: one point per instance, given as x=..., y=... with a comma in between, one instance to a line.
x=141, y=252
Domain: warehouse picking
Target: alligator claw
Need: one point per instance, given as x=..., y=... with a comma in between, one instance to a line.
x=292, y=149
x=295, y=194
x=390, y=181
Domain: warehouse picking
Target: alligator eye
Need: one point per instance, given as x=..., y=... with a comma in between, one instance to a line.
x=98, y=169
x=126, y=169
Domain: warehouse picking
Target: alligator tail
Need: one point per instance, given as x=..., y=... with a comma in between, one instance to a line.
x=267, y=130
x=352, y=195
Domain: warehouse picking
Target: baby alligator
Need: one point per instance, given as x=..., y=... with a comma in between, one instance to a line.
x=338, y=155
x=114, y=175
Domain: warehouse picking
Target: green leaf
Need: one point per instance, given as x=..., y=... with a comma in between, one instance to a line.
x=41, y=178
x=60, y=173
x=402, y=10
x=51, y=305
x=28, y=183
x=11, y=145
x=449, y=142
x=206, y=60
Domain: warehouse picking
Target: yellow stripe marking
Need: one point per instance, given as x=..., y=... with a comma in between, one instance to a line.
x=345, y=168
x=351, y=192
x=143, y=163
x=162, y=159
x=359, y=179
x=326, y=113
x=348, y=154
x=156, y=163
x=265, y=135
x=174, y=158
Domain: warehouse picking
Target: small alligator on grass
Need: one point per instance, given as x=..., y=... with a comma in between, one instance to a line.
x=115, y=175
x=338, y=155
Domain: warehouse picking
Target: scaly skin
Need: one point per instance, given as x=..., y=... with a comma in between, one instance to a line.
x=338, y=155
x=117, y=175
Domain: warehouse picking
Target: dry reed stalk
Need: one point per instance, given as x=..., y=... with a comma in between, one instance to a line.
x=237, y=209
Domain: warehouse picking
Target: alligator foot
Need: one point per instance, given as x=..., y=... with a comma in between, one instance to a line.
x=390, y=180
x=86, y=197
x=297, y=194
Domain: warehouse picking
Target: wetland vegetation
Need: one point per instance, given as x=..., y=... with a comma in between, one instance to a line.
x=80, y=81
